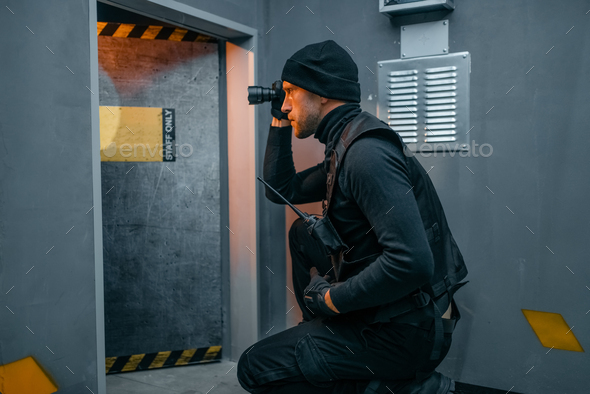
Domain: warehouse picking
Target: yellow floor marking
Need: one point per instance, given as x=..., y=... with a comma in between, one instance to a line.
x=25, y=377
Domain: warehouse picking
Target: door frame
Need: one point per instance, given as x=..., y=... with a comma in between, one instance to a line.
x=238, y=263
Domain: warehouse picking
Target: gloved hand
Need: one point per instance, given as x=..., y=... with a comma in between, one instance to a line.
x=276, y=104
x=314, y=294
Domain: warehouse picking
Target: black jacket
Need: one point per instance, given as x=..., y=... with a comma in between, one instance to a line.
x=373, y=209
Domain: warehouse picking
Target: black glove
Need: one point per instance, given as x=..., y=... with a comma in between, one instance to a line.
x=314, y=294
x=276, y=104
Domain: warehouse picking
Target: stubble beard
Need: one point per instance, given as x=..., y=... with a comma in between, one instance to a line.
x=308, y=123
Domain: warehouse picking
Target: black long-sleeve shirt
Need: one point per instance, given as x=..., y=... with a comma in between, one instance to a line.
x=372, y=208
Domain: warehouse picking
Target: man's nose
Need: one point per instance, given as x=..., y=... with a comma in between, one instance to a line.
x=286, y=108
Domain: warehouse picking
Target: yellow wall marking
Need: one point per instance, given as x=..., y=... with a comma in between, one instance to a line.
x=133, y=362
x=25, y=377
x=552, y=330
x=177, y=34
x=159, y=360
x=162, y=359
x=185, y=357
x=123, y=30
x=151, y=32
x=212, y=352
x=100, y=26
x=130, y=134
x=109, y=363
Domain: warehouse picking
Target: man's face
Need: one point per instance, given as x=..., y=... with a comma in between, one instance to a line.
x=304, y=109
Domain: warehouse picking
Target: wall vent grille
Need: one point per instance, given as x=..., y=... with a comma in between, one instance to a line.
x=426, y=100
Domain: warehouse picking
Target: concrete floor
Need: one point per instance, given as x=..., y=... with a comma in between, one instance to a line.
x=213, y=378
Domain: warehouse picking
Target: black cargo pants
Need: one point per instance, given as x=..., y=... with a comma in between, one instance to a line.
x=339, y=354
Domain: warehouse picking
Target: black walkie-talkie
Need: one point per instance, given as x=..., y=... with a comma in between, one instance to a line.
x=321, y=229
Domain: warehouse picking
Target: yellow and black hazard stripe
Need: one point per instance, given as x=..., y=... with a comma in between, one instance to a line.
x=140, y=362
x=149, y=32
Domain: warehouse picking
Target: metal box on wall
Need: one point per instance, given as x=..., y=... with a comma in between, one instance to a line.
x=401, y=7
x=426, y=100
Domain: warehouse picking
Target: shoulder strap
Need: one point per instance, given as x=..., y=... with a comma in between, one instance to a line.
x=361, y=124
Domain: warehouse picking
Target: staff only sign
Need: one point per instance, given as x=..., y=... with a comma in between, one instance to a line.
x=137, y=134
x=168, y=134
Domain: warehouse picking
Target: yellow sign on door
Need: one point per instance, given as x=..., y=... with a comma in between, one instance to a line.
x=137, y=134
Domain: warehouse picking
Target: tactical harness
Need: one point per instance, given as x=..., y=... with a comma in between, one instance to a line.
x=431, y=300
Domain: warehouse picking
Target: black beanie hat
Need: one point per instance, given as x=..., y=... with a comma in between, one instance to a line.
x=326, y=70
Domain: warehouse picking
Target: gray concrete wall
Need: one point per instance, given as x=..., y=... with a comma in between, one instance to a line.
x=246, y=12
x=162, y=219
x=538, y=169
x=48, y=232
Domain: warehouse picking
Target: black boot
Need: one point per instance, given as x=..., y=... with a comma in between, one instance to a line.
x=436, y=383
